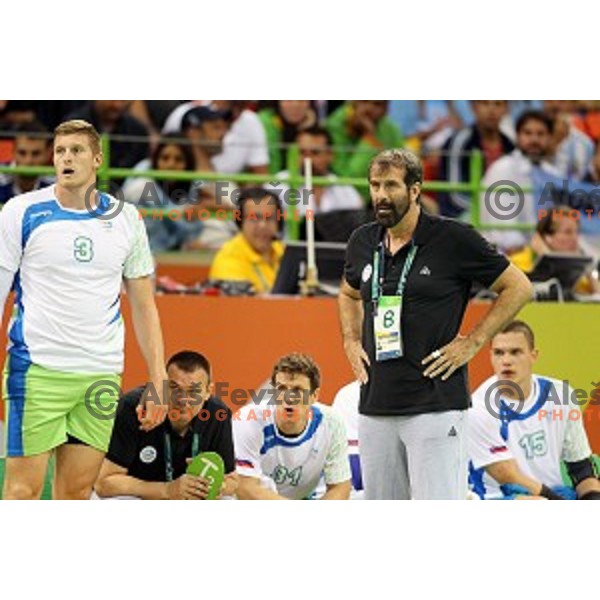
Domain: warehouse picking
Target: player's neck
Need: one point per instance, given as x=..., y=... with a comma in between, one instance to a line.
x=180, y=428
x=78, y=198
x=525, y=386
x=403, y=231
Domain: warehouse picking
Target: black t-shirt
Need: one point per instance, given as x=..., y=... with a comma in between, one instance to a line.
x=142, y=453
x=450, y=257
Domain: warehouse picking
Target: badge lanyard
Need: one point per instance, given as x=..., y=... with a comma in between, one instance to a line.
x=169, y=454
x=378, y=277
x=387, y=309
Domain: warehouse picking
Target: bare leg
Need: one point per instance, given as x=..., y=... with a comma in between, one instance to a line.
x=24, y=477
x=77, y=467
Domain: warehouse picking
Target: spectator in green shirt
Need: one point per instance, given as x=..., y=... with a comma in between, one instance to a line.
x=360, y=129
x=282, y=124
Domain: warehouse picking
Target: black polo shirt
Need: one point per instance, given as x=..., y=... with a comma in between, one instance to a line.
x=450, y=257
x=142, y=453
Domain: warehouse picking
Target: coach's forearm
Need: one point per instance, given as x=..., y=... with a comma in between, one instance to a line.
x=351, y=316
x=126, y=485
x=514, y=291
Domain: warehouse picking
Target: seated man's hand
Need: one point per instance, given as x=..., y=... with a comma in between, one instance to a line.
x=188, y=487
x=230, y=484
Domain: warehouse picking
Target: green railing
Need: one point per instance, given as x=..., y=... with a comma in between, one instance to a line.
x=294, y=180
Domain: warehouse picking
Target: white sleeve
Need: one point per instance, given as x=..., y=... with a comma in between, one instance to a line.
x=139, y=261
x=11, y=219
x=575, y=446
x=486, y=445
x=247, y=440
x=6, y=281
x=337, y=463
x=258, y=154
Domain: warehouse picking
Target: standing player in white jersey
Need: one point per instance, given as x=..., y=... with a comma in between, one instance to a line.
x=522, y=425
x=66, y=259
x=284, y=445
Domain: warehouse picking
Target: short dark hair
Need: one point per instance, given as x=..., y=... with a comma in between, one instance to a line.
x=189, y=361
x=317, y=131
x=254, y=194
x=298, y=364
x=32, y=130
x=548, y=224
x=535, y=115
x=401, y=159
x=520, y=327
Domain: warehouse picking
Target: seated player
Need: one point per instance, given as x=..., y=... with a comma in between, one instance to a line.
x=285, y=444
x=151, y=464
x=520, y=442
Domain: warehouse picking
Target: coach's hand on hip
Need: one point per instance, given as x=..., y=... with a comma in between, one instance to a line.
x=358, y=359
x=450, y=357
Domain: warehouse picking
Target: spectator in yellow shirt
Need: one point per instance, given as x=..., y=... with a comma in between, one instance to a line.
x=255, y=253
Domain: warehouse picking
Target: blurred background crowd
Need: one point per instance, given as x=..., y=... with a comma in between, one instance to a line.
x=550, y=148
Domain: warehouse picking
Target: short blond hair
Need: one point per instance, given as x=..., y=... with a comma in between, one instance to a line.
x=76, y=126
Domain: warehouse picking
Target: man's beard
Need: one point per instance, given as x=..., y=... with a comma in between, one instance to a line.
x=392, y=218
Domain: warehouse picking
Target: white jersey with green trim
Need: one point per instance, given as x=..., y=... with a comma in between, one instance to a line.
x=69, y=266
x=290, y=466
x=547, y=428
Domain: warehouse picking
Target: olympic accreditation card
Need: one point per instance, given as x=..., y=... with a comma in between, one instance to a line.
x=386, y=325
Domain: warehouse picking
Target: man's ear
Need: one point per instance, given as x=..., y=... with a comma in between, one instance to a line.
x=414, y=191
x=210, y=390
x=314, y=396
x=98, y=160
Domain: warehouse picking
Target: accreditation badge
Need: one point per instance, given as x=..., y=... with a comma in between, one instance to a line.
x=386, y=321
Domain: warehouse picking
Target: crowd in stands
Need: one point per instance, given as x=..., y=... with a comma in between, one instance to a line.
x=533, y=143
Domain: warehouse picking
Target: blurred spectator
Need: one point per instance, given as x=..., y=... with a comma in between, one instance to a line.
x=534, y=132
x=360, y=129
x=315, y=143
x=484, y=135
x=245, y=144
x=281, y=125
x=593, y=174
x=111, y=117
x=588, y=118
x=205, y=127
x=430, y=122
x=153, y=114
x=255, y=253
x=15, y=112
x=167, y=232
x=32, y=149
x=515, y=109
x=571, y=149
x=557, y=232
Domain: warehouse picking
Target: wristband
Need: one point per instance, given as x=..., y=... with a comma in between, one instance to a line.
x=593, y=495
x=548, y=493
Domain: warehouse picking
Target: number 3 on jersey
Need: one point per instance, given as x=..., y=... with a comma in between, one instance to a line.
x=83, y=249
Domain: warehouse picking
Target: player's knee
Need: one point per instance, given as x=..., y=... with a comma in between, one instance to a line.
x=21, y=490
x=72, y=490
